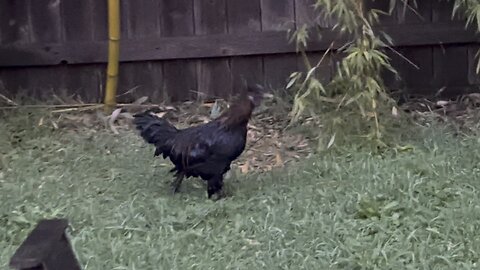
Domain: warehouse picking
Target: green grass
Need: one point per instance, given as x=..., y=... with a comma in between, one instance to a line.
x=348, y=210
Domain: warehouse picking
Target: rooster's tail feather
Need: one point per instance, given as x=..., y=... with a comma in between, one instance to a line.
x=155, y=130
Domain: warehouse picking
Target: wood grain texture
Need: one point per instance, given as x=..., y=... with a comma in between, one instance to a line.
x=179, y=76
x=421, y=78
x=324, y=72
x=143, y=20
x=77, y=20
x=450, y=63
x=307, y=14
x=86, y=82
x=383, y=6
x=243, y=18
x=450, y=66
x=14, y=22
x=45, y=21
x=219, y=40
x=100, y=20
x=418, y=12
x=188, y=47
x=214, y=75
x=276, y=16
x=138, y=79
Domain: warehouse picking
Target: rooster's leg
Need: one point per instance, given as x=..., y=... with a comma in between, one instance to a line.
x=215, y=185
x=177, y=182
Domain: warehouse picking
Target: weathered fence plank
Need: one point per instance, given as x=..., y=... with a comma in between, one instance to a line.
x=192, y=47
x=143, y=20
x=14, y=22
x=180, y=76
x=414, y=13
x=244, y=17
x=138, y=79
x=450, y=64
x=45, y=21
x=214, y=75
x=77, y=20
x=100, y=21
x=279, y=16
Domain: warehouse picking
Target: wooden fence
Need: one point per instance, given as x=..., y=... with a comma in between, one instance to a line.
x=183, y=48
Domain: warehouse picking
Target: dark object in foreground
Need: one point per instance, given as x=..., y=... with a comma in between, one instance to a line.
x=46, y=248
x=204, y=151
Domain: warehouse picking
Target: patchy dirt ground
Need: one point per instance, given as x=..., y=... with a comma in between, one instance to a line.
x=270, y=144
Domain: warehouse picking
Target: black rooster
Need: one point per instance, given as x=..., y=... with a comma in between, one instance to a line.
x=204, y=151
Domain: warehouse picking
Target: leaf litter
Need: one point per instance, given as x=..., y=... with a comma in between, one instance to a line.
x=270, y=144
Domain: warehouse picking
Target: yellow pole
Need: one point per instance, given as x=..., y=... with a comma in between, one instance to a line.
x=113, y=54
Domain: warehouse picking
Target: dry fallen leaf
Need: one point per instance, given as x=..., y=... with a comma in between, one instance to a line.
x=442, y=103
x=244, y=168
x=278, y=159
x=332, y=140
x=112, y=119
x=394, y=111
x=141, y=100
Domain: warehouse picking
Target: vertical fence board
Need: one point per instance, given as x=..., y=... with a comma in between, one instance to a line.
x=415, y=13
x=384, y=6
x=85, y=81
x=450, y=63
x=14, y=22
x=244, y=17
x=450, y=66
x=138, y=79
x=13, y=82
x=324, y=71
x=442, y=11
x=390, y=80
x=77, y=20
x=414, y=79
x=305, y=13
x=277, y=16
x=214, y=76
x=45, y=21
x=143, y=20
x=44, y=81
x=100, y=20
x=180, y=78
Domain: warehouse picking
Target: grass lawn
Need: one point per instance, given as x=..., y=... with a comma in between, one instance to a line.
x=346, y=210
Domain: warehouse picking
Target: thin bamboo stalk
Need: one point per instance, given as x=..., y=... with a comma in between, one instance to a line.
x=113, y=54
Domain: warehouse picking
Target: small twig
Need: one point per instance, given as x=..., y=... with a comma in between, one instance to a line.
x=79, y=109
x=74, y=106
x=131, y=90
x=9, y=101
x=47, y=106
